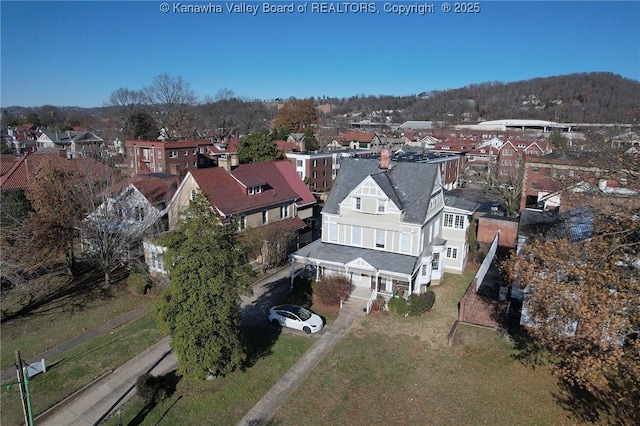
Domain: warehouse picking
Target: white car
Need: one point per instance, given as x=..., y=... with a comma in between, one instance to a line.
x=297, y=317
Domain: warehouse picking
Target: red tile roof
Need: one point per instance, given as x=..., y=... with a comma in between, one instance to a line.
x=288, y=171
x=156, y=188
x=356, y=136
x=7, y=162
x=22, y=172
x=286, y=146
x=182, y=144
x=228, y=194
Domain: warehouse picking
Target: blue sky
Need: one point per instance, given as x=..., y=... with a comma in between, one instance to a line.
x=77, y=52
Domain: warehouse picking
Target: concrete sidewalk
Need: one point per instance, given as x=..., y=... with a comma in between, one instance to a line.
x=275, y=397
x=97, y=401
x=93, y=404
x=10, y=373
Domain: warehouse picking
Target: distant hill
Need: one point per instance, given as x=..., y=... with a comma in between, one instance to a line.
x=588, y=97
x=597, y=97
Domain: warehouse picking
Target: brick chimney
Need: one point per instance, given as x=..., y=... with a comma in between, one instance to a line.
x=224, y=161
x=384, y=159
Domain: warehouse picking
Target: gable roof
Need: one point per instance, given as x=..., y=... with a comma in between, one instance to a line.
x=286, y=146
x=408, y=185
x=156, y=187
x=356, y=136
x=227, y=191
x=455, y=145
x=289, y=173
x=71, y=136
x=23, y=170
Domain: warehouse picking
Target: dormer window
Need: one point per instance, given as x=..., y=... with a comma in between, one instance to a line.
x=357, y=203
x=382, y=206
x=256, y=189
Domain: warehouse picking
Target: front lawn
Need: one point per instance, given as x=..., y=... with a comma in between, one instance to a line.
x=224, y=400
x=80, y=366
x=61, y=310
x=371, y=377
x=386, y=370
x=393, y=370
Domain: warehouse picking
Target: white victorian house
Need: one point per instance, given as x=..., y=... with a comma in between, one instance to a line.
x=389, y=228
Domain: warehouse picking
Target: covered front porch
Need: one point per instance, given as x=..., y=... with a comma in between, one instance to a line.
x=371, y=272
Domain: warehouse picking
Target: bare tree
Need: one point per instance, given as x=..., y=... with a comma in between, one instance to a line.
x=508, y=187
x=220, y=112
x=253, y=116
x=172, y=100
x=582, y=283
x=127, y=104
x=117, y=222
x=269, y=245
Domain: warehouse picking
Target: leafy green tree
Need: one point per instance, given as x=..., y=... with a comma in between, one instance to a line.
x=280, y=133
x=310, y=141
x=258, y=147
x=141, y=125
x=208, y=271
x=558, y=141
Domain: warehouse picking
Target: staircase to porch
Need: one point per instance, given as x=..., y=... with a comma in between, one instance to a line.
x=358, y=299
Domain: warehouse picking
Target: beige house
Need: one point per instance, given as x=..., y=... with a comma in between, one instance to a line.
x=389, y=228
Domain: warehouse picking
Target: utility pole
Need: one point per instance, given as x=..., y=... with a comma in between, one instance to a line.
x=24, y=391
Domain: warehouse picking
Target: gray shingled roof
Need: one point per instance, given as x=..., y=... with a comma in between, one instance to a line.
x=408, y=185
x=460, y=203
x=380, y=260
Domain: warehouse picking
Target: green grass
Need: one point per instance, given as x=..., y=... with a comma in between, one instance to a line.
x=82, y=307
x=370, y=378
x=224, y=400
x=386, y=370
x=78, y=367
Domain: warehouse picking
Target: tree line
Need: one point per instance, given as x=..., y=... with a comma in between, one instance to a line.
x=169, y=105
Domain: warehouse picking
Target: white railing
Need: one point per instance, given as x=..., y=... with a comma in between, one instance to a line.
x=374, y=296
x=486, y=263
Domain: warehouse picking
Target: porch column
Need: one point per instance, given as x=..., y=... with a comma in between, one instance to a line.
x=293, y=270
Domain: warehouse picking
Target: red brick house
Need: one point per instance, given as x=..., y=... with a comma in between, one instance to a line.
x=512, y=152
x=454, y=146
x=175, y=157
x=482, y=161
x=565, y=182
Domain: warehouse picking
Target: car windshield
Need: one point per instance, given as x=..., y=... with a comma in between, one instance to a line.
x=304, y=314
